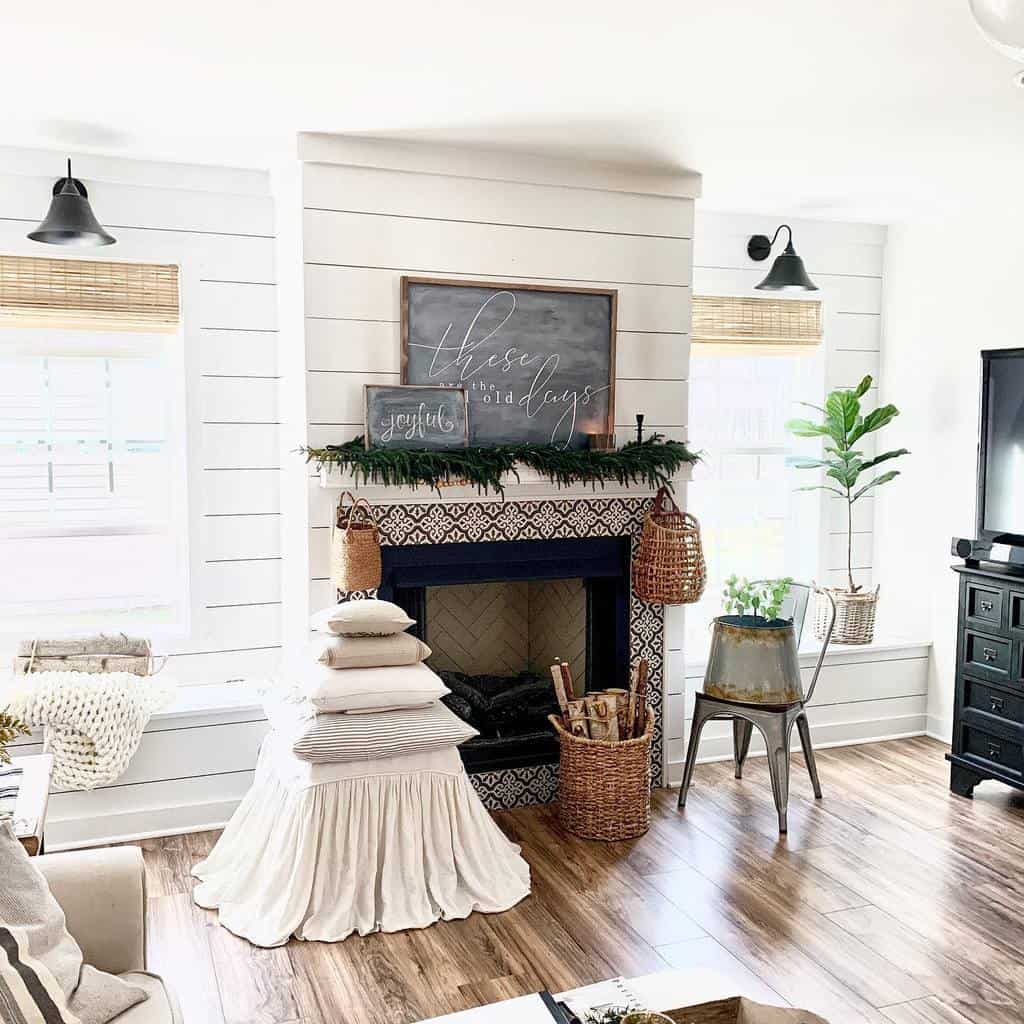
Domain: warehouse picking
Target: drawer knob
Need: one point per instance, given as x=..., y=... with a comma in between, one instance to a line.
x=986, y=606
x=994, y=750
x=996, y=704
x=989, y=653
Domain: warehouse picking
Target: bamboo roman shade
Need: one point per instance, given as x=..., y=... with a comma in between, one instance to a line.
x=92, y=294
x=738, y=320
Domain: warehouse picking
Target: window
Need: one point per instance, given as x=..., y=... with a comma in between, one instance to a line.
x=749, y=369
x=93, y=498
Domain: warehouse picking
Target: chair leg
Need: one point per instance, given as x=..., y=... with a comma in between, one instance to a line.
x=805, y=741
x=777, y=731
x=700, y=718
x=741, y=733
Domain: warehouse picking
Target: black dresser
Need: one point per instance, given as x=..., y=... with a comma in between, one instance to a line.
x=988, y=715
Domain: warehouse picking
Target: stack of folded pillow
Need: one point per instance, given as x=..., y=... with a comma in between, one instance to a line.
x=365, y=693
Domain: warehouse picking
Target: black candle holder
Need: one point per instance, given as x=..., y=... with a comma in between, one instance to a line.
x=639, y=427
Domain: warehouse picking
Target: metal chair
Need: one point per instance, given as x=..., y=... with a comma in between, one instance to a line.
x=774, y=721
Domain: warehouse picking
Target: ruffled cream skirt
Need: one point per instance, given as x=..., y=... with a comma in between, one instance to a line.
x=381, y=846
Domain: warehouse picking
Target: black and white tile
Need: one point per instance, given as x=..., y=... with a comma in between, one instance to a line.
x=540, y=519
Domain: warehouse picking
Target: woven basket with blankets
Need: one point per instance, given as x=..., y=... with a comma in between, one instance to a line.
x=361, y=817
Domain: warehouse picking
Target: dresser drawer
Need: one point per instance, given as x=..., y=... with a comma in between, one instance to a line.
x=985, y=606
x=987, y=656
x=992, y=750
x=982, y=697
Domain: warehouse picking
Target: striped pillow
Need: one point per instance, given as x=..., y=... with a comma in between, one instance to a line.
x=336, y=739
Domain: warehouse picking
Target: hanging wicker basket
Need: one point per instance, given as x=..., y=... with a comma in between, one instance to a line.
x=355, y=546
x=669, y=564
x=855, y=616
x=604, y=787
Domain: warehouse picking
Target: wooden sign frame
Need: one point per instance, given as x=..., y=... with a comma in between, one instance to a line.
x=608, y=426
x=367, y=388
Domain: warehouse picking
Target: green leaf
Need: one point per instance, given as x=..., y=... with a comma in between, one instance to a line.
x=895, y=454
x=843, y=407
x=875, y=421
x=805, y=428
x=861, y=390
x=802, y=463
x=811, y=405
x=822, y=487
x=883, y=479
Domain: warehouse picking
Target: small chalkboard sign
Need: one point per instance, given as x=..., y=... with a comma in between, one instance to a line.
x=409, y=416
x=537, y=361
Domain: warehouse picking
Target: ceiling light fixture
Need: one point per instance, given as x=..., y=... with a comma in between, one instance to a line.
x=787, y=270
x=1002, y=24
x=70, y=220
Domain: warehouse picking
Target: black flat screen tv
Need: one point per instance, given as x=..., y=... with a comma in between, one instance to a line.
x=1001, y=449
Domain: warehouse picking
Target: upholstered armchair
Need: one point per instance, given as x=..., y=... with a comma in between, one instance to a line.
x=103, y=895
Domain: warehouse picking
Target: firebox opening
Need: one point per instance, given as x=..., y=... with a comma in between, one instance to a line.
x=498, y=615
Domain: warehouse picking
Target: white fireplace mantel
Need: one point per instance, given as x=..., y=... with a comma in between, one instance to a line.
x=530, y=484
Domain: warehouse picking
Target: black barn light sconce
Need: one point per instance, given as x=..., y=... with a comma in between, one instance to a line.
x=70, y=220
x=787, y=270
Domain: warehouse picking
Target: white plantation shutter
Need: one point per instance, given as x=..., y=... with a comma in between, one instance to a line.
x=93, y=527
x=83, y=445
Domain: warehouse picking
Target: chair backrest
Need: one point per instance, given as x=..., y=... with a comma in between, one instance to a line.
x=795, y=606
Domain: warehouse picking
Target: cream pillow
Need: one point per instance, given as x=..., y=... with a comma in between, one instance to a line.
x=369, y=651
x=362, y=618
x=359, y=689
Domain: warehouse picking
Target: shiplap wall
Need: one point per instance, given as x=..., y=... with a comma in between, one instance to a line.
x=218, y=224
x=194, y=763
x=366, y=226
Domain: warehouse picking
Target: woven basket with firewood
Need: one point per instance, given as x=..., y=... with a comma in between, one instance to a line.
x=604, y=776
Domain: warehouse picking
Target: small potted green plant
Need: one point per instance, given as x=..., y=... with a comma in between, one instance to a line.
x=844, y=427
x=753, y=651
x=10, y=730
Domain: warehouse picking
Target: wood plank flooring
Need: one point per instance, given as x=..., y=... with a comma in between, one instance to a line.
x=890, y=901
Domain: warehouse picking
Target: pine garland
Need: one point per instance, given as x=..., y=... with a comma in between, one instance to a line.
x=653, y=462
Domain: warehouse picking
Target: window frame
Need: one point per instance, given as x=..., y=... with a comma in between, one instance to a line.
x=144, y=247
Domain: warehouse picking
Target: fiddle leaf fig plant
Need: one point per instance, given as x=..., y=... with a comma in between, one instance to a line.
x=760, y=600
x=844, y=425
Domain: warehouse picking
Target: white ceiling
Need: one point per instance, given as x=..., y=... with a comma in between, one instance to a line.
x=849, y=109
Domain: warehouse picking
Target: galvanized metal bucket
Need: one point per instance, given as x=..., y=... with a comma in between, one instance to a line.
x=754, y=660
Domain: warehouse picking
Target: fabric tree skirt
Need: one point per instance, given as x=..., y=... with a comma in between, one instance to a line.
x=379, y=846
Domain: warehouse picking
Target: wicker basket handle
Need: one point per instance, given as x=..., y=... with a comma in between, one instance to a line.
x=339, y=509
x=664, y=503
x=363, y=506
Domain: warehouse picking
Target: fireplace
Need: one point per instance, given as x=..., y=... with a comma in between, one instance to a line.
x=585, y=542
x=497, y=614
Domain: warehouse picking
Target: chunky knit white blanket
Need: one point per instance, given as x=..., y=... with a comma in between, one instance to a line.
x=93, y=723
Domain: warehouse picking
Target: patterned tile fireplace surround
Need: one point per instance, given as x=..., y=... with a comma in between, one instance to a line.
x=476, y=521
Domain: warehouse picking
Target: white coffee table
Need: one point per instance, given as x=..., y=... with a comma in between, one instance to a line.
x=664, y=990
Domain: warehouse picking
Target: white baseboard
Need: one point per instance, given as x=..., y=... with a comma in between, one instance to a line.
x=846, y=734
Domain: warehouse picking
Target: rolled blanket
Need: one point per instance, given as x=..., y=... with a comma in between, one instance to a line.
x=93, y=723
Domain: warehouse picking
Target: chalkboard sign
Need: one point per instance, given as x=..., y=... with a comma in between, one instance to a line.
x=415, y=417
x=537, y=362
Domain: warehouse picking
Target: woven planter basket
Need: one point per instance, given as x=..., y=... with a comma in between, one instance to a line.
x=669, y=565
x=855, y=616
x=604, y=788
x=355, y=546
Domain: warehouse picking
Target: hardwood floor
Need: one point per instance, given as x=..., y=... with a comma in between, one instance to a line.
x=890, y=901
